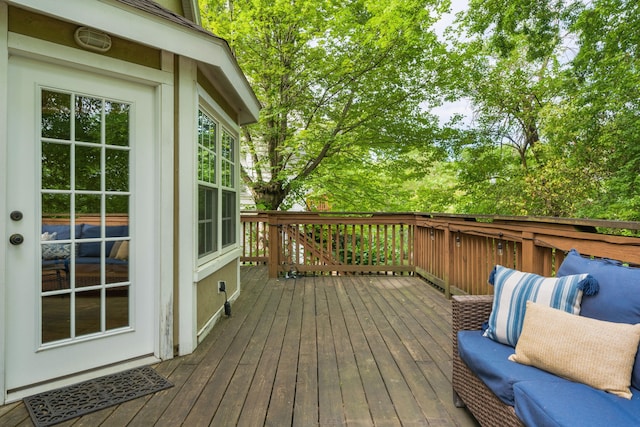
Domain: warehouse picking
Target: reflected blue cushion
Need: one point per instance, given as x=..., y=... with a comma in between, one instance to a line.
x=63, y=231
x=488, y=360
x=569, y=404
x=93, y=232
x=619, y=297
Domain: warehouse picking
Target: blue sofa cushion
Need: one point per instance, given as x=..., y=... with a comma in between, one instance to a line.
x=564, y=403
x=618, y=299
x=488, y=359
x=93, y=232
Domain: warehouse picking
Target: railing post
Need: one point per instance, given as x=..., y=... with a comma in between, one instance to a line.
x=275, y=249
x=532, y=255
x=448, y=262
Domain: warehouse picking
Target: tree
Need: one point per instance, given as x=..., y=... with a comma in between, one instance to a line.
x=335, y=77
x=557, y=82
x=520, y=156
x=604, y=107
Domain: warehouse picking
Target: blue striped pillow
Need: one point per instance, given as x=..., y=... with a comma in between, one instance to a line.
x=512, y=290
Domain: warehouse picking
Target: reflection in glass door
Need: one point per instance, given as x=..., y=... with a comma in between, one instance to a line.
x=85, y=196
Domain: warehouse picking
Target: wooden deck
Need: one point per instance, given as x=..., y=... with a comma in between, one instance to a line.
x=313, y=351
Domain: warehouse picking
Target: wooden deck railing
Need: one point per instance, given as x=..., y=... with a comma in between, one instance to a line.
x=454, y=252
x=326, y=243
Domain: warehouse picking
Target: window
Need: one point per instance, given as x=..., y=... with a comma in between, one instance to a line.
x=217, y=192
x=229, y=193
x=207, y=230
x=207, y=189
x=228, y=218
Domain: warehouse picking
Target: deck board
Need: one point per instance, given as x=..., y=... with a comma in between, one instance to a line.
x=313, y=351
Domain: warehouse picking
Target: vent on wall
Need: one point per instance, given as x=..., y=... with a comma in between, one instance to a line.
x=91, y=39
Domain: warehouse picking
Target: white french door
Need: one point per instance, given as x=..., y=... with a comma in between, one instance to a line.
x=81, y=263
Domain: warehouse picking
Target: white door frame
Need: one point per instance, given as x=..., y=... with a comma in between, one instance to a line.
x=4, y=133
x=162, y=80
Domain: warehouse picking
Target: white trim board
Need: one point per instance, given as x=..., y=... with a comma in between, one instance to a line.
x=30, y=47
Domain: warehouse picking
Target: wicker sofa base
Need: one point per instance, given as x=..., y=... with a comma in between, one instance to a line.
x=487, y=409
x=468, y=314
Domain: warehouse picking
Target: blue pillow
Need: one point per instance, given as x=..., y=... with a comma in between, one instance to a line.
x=512, y=290
x=619, y=296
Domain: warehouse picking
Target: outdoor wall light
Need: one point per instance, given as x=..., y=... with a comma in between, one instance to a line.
x=432, y=234
x=92, y=39
x=500, y=251
x=458, y=240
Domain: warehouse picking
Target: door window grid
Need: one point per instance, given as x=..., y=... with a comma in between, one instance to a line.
x=85, y=181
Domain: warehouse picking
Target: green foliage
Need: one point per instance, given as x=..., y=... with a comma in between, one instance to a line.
x=507, y=23
x=571, y=120
x=330, y=74
x=605, y=84
x=347, y=86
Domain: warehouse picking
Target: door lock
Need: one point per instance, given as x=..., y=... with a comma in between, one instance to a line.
x=16, y=239
x=15, y=215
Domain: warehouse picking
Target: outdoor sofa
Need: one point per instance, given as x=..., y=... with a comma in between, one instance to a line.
x=502, y=392
x=56, y=252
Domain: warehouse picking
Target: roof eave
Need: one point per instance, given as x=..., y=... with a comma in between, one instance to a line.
x=114, y=17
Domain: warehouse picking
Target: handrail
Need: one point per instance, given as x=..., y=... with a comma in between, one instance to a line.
x=454, y=252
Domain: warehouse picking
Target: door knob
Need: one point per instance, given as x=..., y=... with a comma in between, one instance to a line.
x=16, y=239
x=15, y=215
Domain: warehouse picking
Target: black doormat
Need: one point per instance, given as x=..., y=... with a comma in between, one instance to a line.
x=55, y=406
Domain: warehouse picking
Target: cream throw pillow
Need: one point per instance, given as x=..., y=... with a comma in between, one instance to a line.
x=590, y=351
x=123, y=251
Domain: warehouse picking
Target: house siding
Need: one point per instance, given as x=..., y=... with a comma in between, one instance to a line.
x=210, y=301
x=53, y=30
x=173, y=5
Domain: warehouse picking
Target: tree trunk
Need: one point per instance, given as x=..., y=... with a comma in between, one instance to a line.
x=268, y=195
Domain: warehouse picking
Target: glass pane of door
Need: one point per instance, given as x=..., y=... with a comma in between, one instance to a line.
x=85, y=201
